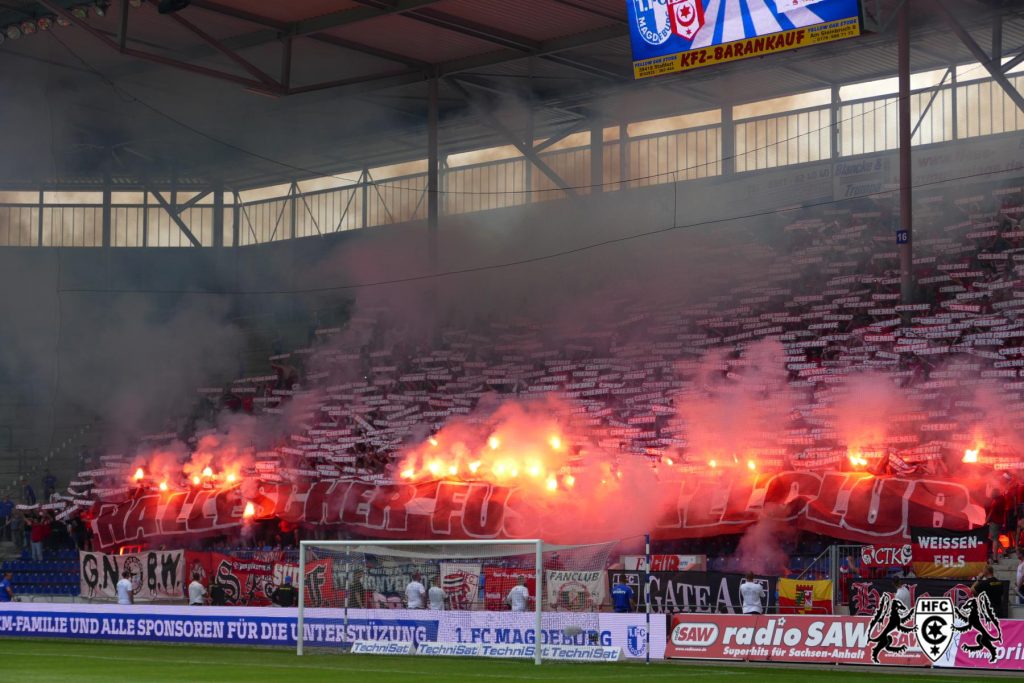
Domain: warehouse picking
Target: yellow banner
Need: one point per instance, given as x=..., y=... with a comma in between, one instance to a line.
x=748, y=47
x=805, y=597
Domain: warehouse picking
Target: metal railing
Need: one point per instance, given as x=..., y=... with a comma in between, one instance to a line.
x=943, y=113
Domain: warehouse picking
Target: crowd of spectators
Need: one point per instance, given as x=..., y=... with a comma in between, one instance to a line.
x=824, y=286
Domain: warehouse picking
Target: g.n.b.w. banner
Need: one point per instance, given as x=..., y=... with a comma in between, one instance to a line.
x=155, y=575
x=848, y=505
x=938, y=553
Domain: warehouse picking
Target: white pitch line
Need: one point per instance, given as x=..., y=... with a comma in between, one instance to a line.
x=302, y=665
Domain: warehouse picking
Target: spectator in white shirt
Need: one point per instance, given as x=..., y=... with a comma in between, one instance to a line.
x=752, y=595
x=415, y=593
x=436, y=597
x=519, y=597
x=196, y=593
x=124, y=589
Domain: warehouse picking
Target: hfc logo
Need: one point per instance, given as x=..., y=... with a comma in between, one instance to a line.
x=657, y=20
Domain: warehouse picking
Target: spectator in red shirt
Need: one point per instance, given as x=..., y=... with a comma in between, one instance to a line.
x=40, y=532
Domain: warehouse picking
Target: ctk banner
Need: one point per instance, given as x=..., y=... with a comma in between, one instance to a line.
x=677, y=35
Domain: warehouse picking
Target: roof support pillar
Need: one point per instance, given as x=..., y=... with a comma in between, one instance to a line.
x=904, y=236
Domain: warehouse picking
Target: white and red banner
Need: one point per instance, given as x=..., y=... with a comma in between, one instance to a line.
x=849, y=505
x=155, y=575
x=460, y=582
x=666, y=563
x=498, y=581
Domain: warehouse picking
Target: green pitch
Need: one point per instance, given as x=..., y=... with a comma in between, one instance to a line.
x=30, y=661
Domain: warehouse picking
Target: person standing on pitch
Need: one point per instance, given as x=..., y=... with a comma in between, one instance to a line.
x=196, y=593
x=519, y=597
x=622, y=597
x=6, y=591
x=752, y=595
x=415, y=593
x=124, y=589
x=436, y=597
x=285, y=594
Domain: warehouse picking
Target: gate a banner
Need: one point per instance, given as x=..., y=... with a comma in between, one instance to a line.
x=155, y=575
x=853, y=506
x=700, y=592
x=948, y=554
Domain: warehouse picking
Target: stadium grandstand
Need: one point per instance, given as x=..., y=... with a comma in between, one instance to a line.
x=443, y=337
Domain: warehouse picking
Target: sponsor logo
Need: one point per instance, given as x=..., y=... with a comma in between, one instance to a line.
x=933, y=621
x=369, y=647
x=935, y=626
x=636, y=640
x=652, y=21
x=687, y=17
x=694, y=634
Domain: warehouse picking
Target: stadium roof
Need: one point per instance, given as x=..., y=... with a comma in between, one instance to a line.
x=257, y=92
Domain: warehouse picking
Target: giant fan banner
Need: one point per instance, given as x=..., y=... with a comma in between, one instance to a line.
x=850, y=505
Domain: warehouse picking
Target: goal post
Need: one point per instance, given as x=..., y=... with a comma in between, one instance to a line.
x=507, y=598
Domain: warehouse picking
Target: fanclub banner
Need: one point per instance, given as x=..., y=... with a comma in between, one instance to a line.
x=577, y=591
x=699, y=592
x=866, y=594
x=265, y=626
x=155, y=575
x=938, y=553
x=849, y=505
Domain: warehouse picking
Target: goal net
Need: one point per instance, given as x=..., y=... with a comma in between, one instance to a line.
x=466, y=598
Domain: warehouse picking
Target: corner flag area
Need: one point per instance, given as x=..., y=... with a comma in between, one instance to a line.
x=36, y=661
